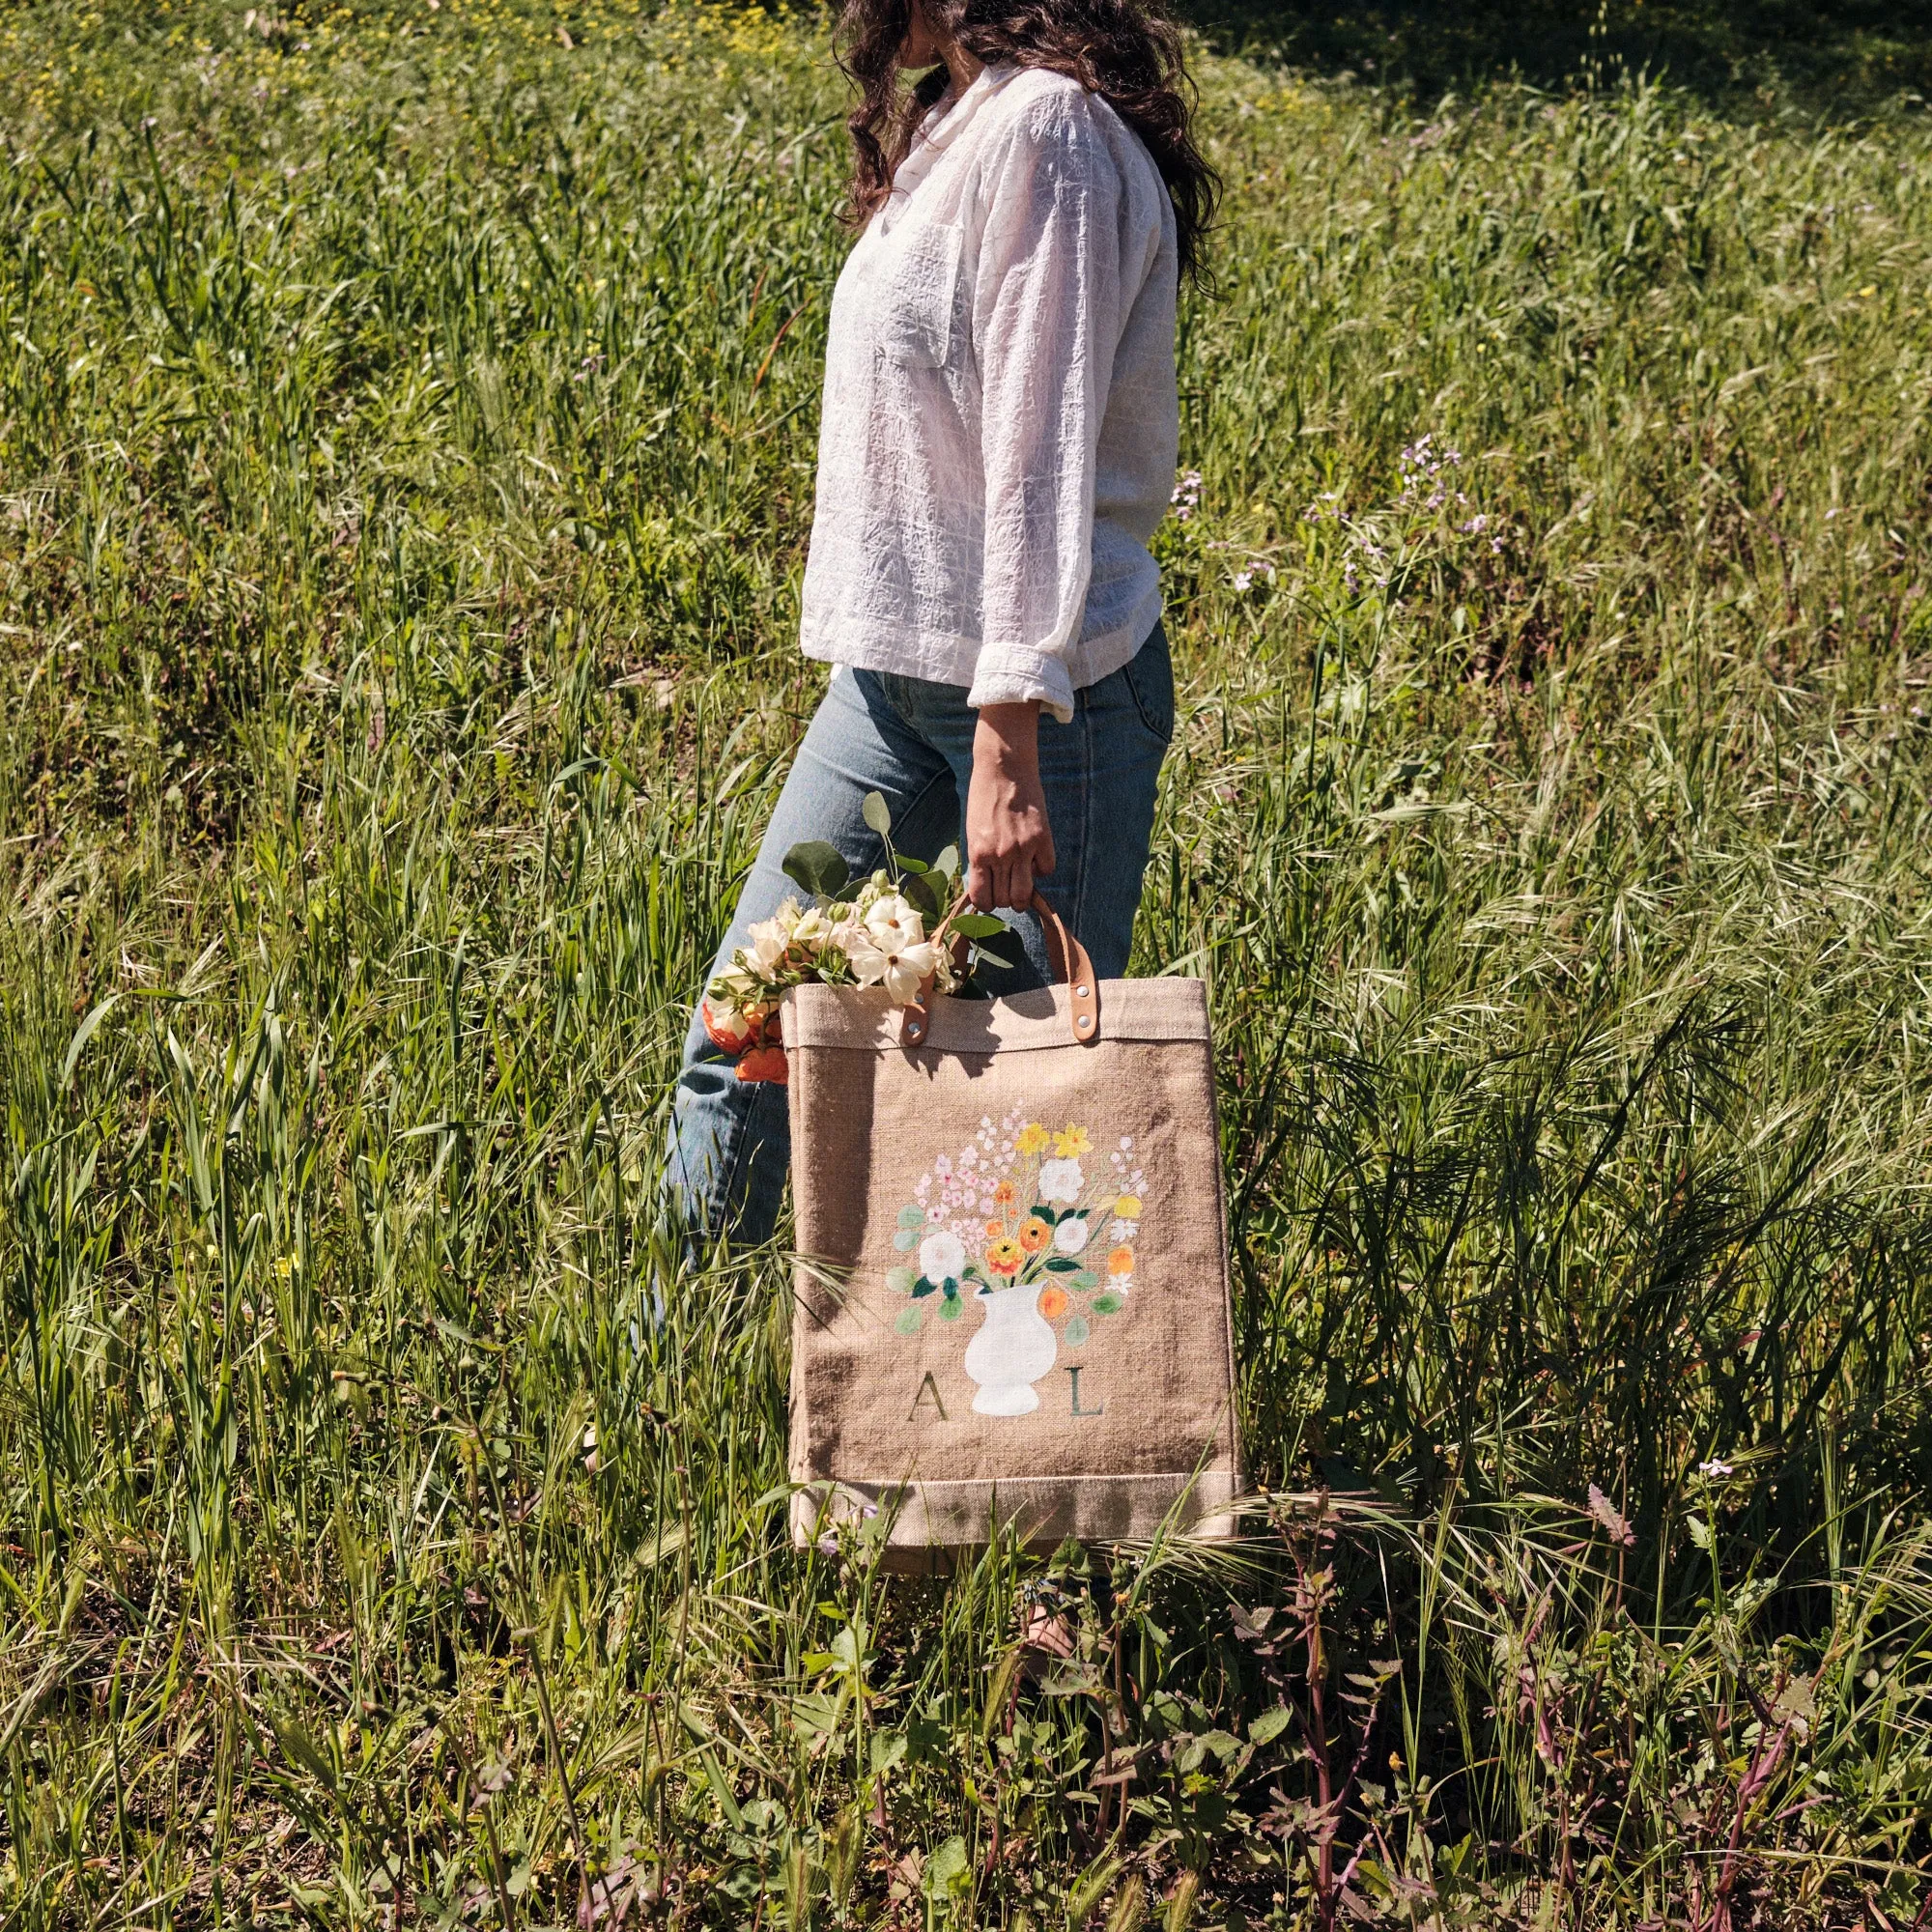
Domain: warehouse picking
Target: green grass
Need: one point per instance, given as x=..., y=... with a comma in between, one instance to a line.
x=406, y=441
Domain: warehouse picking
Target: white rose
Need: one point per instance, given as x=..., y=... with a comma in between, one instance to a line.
x=1070, y=1236
x=942, y=1257
x=1060, y=1181
x=813, y=931
x=769, y=940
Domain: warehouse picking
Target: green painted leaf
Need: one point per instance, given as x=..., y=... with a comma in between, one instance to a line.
x=878, y=814
x=922, y=1288
x=912, y=1218
x=1063, y=1265
x=820, y=868
x=948, y=863
x=1084, y=1280
x=910, y=1319
x=1107, y=1304
x=1076, y=1331
x=900, y=1279
x=951, y=1308
x=906, y=1239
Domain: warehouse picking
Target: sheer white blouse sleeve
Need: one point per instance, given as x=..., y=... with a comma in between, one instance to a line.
x=1047, y=316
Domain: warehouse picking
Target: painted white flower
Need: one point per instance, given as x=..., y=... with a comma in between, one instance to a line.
x=935, y=1214
x=1070, y=1236
x=1123, y=1231
x=943, y=1167
x=1060, y=1181
x=940, y=1256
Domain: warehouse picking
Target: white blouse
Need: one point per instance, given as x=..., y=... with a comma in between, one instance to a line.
x=1000, y=426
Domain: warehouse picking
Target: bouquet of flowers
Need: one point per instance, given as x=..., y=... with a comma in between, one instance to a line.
x=895, y=929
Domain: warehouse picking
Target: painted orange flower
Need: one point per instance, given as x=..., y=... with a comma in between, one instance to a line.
x=995, y=1228
x=1120, y=1262
x=1004, y=1194
x=1004, y=1256
x=1053, y=1303
x=1035, y=1234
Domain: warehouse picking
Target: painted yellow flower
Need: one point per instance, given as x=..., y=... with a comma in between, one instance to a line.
x=1035, y=1234
x=1072, y=1145
x=1121, y=1261
x=1033, y=1138
x=1004, y=1256
x=1128, y=1207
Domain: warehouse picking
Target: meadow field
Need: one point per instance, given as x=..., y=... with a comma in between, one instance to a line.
x=406, y=423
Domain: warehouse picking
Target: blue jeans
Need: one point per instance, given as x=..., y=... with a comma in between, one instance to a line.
x=912, y=742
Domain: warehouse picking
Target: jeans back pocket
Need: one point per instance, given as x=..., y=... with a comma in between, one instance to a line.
x=1150, y=676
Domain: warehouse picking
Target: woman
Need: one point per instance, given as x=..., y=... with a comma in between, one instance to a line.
x=998, y=442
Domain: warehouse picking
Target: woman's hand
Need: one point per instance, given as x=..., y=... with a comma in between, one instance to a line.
x=1009, y=843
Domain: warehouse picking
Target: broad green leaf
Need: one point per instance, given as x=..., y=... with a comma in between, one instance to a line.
x=1107, y=1304
x=1269, y=1726
x=911, y=1319
x=948, y=862
x=1076, y=1331
x=912, y=1218
x=878, y=813
x=820, y=868
x=979, y=925
x=900, y=1279
x=906, y=1239
x=922, y=1288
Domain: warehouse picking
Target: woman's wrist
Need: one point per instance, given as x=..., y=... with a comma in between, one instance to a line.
x=1008, y=735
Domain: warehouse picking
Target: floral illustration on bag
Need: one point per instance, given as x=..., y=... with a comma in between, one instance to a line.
x=1036, y=1227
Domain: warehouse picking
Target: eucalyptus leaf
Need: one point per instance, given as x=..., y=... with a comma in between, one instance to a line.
x=878, y=815
x=948, y=862
x=911, y=1319
x=906, y=1239
x=820, y=868
x=1076, y=1331
x=1107, y=1304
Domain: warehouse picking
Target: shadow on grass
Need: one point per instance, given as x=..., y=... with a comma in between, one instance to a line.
x=1829, y=55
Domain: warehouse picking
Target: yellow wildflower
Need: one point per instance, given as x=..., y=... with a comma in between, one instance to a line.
x=1033, y=1138
x=1072, y=1145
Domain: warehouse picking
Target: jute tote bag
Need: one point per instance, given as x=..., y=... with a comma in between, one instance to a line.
x=1012, y=1278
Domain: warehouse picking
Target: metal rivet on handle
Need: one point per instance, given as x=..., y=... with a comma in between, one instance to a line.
x=1085, y=1021
x=1080, y=992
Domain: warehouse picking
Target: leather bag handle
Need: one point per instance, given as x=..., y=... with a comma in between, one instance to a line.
x=1065, y=954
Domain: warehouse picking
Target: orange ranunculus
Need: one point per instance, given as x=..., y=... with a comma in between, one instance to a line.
x=766, y=1063
x=995, y=1228
x=1004, y=1194
x=1004, y=1256
x=1120, y=1262
x=1035, y=1234
x=1053, y=1303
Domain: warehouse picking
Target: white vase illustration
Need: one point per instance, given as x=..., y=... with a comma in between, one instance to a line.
x=1015, y=1348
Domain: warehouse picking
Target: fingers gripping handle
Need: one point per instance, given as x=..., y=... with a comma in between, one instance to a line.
x=1069, y=962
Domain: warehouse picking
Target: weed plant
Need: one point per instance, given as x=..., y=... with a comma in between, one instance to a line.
x=407, y=421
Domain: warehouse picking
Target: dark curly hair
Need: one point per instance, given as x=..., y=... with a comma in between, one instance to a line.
x=1119, y=49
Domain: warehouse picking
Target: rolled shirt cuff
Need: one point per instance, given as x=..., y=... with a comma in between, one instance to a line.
x=1014, y=675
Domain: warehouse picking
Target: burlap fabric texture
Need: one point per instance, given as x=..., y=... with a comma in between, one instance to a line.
x=1012, y=1277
